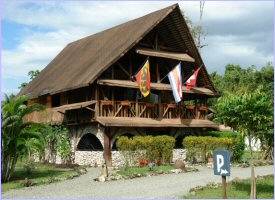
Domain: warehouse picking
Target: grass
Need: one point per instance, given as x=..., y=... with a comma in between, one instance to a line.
x=41, y=174
x=238, y=190
x=143, y=170
x=257, y=155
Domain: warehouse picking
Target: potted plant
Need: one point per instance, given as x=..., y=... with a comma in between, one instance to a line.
x=106, y=102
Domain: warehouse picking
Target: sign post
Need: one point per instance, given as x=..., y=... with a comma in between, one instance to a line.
x=222, y=167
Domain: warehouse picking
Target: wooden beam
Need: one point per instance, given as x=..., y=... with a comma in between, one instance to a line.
x=123, y=69
x=144, y=109
x=90, y=109
x=61, y=112
x=113, y=92
x=107, y=147
x=97, y=102
x=154, y=86
x=118, y=110
x=162, y=47
x=131, y=64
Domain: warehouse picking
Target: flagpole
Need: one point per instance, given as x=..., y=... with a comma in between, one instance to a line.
x=189, y=75
x=142, y=65
x=169, y=72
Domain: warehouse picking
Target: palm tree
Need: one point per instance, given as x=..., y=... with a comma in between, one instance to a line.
x=15, y=131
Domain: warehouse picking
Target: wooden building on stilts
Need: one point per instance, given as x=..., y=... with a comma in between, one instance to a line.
x=90, y=86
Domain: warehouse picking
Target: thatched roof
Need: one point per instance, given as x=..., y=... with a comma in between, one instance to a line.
x=81, y=62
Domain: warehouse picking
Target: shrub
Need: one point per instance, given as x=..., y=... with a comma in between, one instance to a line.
x=238, y=148
x=63, y=145
x=238, y=144
x=141, y=150
x=204, y=146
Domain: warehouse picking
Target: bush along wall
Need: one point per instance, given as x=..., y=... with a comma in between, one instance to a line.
x=141, y=150
x=238, y=144
x=201, y=148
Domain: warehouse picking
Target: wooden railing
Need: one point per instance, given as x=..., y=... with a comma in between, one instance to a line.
x=119, y=109
x=150, y=110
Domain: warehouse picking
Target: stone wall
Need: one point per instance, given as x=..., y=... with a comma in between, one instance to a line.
x=179, y=154
x=93, y=158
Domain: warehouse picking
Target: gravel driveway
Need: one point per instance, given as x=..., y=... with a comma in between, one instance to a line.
x=163, y=186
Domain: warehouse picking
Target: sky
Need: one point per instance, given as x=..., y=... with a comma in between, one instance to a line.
x=33, y=32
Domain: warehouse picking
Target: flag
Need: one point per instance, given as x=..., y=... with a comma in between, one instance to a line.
x=176, y=82
x=143, y=79
x=191, y=82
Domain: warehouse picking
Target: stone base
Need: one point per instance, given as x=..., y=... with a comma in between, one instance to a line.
x=95, y=158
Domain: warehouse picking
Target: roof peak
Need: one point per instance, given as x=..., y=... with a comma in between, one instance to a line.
x=172, y=7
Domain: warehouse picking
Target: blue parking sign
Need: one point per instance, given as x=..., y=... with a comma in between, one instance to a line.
x=222, y=162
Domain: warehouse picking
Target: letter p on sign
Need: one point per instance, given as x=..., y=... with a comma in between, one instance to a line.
x=222, y=163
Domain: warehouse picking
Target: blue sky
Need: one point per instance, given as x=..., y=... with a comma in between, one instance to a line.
x=33, y=33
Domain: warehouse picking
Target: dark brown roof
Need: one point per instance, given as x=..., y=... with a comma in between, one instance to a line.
x=81, y=62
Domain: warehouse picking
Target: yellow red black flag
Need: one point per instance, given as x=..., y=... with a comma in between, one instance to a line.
x=143, y=79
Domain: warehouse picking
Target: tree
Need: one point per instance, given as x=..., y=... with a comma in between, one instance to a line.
x=197, y=32
x=32, y=75
x=251, y=113
x=16, y=132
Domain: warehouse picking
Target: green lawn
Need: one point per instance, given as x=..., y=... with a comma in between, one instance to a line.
x=238, y=190
x=143, y=170
x=257, y=155
x=42, y=174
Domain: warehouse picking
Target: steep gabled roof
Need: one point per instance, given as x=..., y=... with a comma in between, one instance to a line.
x=81, y=62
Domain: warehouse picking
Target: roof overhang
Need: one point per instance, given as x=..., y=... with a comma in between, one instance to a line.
x=165, y=54
x=74, y=106
x=154, y=86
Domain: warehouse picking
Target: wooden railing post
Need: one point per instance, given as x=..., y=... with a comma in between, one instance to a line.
x=97, y=114
x=137, y=108
x=160, y=106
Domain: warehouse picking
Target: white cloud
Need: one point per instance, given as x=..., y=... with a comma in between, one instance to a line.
x=231, y=49
x=59, y=23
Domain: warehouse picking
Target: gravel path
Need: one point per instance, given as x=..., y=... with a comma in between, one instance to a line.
x=163, y=186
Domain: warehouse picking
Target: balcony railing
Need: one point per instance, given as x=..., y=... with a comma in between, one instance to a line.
x=150, y=110
x=119, y=109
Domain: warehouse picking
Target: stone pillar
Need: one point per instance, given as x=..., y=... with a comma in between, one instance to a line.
x=107, y=147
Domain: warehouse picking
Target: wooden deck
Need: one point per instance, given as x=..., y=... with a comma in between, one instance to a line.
x=149, y=122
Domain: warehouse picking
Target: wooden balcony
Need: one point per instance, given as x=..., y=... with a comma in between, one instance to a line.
x=150, y=110
x=112, y=113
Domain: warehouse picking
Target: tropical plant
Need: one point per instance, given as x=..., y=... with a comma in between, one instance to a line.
x=63, y=145
x=15, y=131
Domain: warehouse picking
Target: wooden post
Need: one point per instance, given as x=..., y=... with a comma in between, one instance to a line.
x=131, y=66
x=206, y=105
x=107, y=147
x=157, y=70
x=113, y=92
x=160, y=106
x=97, y=103
x=137, y=113
x=49, y=101
x=224, y=194
x=196, y=109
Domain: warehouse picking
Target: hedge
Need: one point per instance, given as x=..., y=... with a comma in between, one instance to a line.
x=238, y=144
x=155, y=149
x=205, y=146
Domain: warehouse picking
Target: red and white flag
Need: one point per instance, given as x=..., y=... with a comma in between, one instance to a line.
x=176, y=82
x=191, y=82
